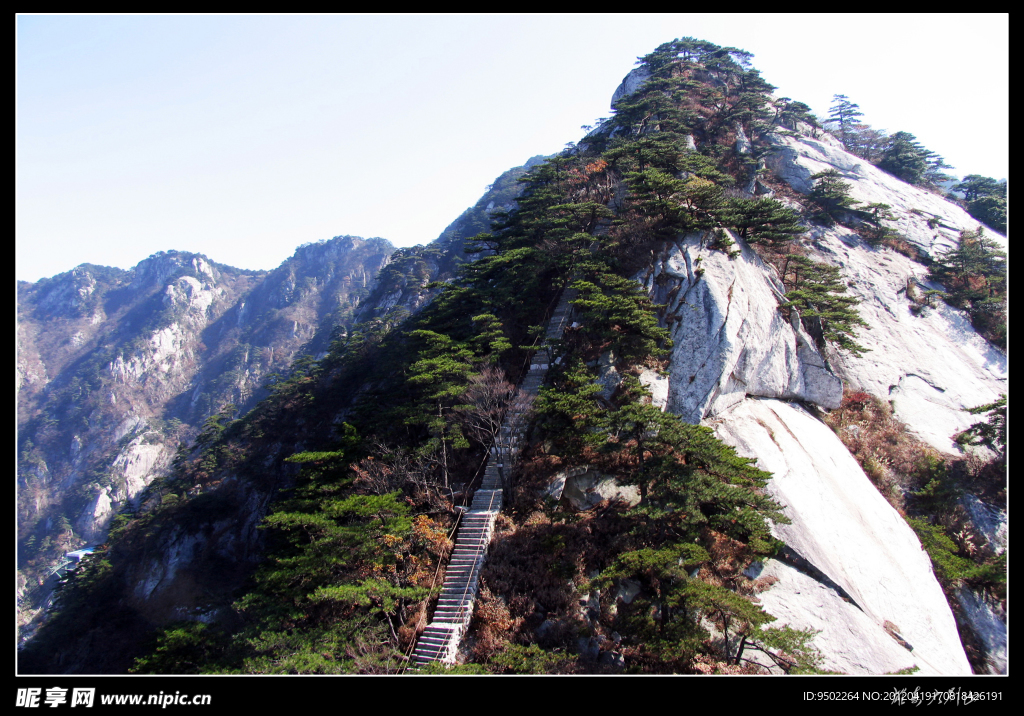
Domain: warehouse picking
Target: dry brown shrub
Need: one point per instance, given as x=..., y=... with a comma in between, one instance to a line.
x=902, y=246
x=494, y=624
x=729, y=557
x=752, y=587
x=889, y=455
x=706, y=664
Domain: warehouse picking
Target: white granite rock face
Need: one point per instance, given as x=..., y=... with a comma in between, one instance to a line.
x=729, y=338
x=95, y=518
x=844, y=528
x=658, y=385
x=742, y=142
x=796, y=159
x=132, y=470
x=850, y=641
x=630, y=83
x=931, y=364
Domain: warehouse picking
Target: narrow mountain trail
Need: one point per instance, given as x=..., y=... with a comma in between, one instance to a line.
x=442, y=636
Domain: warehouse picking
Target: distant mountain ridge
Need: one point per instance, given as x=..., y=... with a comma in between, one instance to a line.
x=117, y=367
x=765, y=369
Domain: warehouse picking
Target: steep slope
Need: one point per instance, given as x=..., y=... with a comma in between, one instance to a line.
x=212, y=346
x=668, y=551
x=926, y=359
x=116, y=368
x=733, y=351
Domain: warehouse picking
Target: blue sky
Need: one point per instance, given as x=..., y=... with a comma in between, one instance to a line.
x=241, y=137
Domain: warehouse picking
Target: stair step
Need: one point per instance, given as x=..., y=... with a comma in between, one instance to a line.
x=430, y=649
x=442, y=634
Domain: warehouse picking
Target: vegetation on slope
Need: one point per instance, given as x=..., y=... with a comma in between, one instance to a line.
x=925, y=487
x=383, y=431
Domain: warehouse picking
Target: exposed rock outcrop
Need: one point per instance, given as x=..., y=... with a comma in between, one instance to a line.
x=631, y=83
x=928, y=361
x=730, y=340
x=855, y=570
x=928, y=221
x=844, y=529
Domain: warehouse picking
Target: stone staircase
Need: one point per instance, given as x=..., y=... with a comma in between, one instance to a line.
x=440, y=640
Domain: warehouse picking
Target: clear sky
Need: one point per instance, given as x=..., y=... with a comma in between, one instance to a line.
x=241, y=137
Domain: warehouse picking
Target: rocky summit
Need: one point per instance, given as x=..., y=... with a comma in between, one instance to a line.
x=735, y=373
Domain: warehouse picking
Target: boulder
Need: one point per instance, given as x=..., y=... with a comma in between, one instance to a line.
x=587, y=489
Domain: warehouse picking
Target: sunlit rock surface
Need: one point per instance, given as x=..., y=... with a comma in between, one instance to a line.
x=926, y=220
x=928, y=361
x=844, y=529
x=729, y=338
x=850, y=640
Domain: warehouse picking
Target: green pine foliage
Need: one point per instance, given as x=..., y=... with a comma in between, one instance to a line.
x=906, y=158
x=818, y=292
x=831, y=197
x=899, y=154
x=613, y=309
x=992, y=432
x=974, y=275
x=346, y=566
x=763, y=220
x=953, y=569
x=875, y=215
x=350, y=561
x=984, y=198
x=844, y=114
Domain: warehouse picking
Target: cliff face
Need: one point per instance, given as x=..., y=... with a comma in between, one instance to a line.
x=852, y=568
x=928, y=361
x=116, y=368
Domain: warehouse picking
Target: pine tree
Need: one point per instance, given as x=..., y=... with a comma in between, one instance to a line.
x=441, y=375
x=831, y=195
x=845, y=114
x=875, y=215
x=817, y=291
x=762, y=220
x=904, y=157
x=985, y=200
x=613, y=308
x=991, y=433
x=974, y=274
x=789, y=112
x=975, y=186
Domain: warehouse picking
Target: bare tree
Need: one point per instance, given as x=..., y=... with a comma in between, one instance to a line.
x=391, y=469
x=494, y=413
